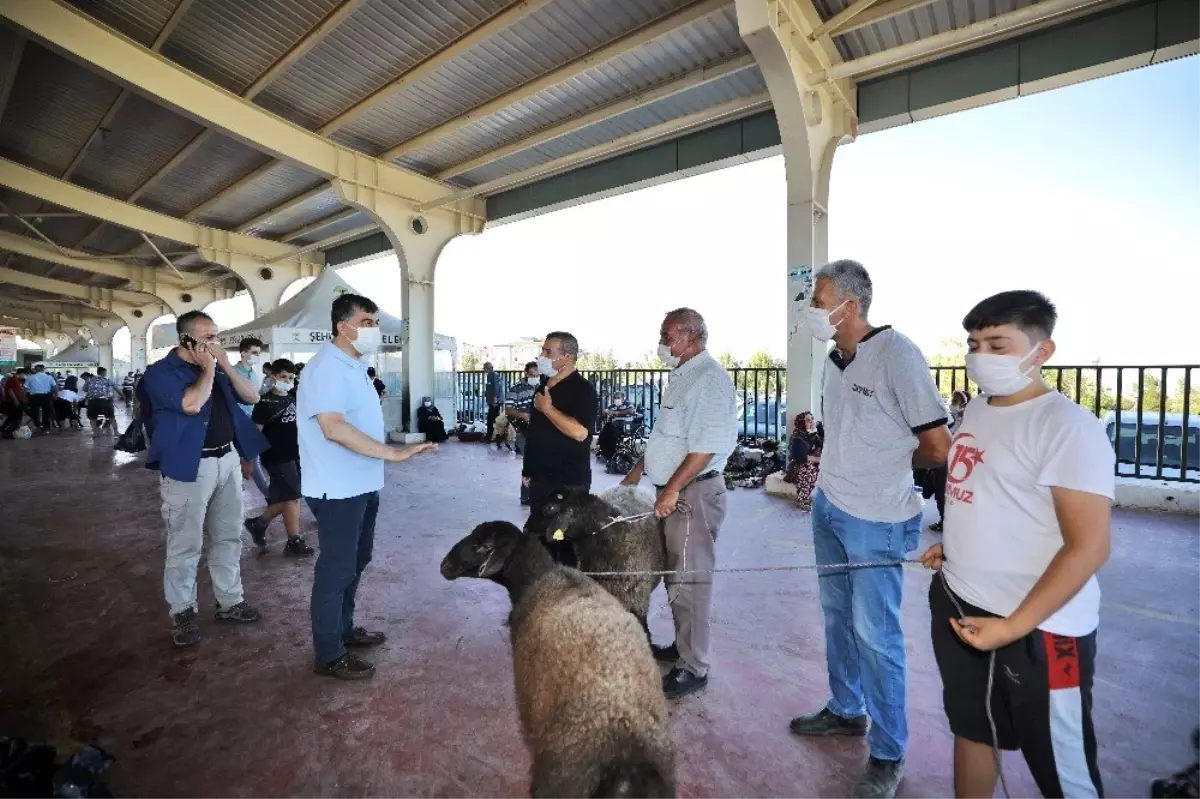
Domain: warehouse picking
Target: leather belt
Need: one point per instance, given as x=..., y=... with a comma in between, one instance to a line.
x=706, y=476
x=217, y=452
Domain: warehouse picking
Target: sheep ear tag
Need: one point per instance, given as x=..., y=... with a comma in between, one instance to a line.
x=558, y=536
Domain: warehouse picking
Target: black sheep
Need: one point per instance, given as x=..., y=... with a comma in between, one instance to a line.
x=588, y=690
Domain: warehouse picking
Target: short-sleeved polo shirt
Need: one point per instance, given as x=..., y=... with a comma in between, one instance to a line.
x=874, y=405
x=333, y=382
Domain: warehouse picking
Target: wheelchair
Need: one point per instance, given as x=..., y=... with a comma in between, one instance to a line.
x=632, y=435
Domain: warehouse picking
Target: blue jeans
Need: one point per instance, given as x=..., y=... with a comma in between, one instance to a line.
x=864, y=645
x=346, y=531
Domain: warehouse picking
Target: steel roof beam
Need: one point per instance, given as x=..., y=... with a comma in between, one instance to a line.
x=23, y=245
x=10, y=76
x=690, y=80
x=697, y=10
x=285, y=206
x=320, y=224
x=877, y=13
x=70, y=31
x=88, y=294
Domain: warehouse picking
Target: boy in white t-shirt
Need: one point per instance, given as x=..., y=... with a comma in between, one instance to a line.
x=1029, y=491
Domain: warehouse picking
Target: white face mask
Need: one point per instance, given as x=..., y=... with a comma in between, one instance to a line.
x=546, y=366
x=428, y=403
x=284, y=386
x=250, y=359
x=369, y=340
x=999, y=375
x=666, y=356
x=533, y=381
x=818, y=324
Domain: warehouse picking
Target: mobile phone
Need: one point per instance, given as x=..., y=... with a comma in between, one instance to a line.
x=187, y=341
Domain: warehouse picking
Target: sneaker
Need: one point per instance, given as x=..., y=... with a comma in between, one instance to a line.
x=186, y=631
x=348, y=667
x=258, y=531
x=665, y=654
x=295, y=546
x=826, y=722
x=680, y=682
x=361, y=636
x=880, y=779
x=241, y=612
x=936, y=527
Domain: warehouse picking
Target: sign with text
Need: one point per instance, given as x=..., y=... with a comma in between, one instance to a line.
x=8, y=346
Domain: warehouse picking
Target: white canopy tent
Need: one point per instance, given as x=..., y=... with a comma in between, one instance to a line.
x=297, y=329
x=82, y=354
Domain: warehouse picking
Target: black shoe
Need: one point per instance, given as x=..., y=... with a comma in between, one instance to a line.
x=186, y=631
x=665, y=654
x=880, y=779
x=936, y=527
x=347, y=667
x=241, y=612
x=361, y=636
x=258, y=531
x=295, y=546
x=680, y=682
x=826, y=722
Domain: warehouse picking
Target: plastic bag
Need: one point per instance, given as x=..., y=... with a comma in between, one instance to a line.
x=133, y=439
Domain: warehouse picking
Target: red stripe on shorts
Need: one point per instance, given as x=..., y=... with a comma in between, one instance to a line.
x=1062, y=661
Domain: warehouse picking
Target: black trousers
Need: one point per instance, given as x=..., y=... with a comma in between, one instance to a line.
x=41, y=408
x=539, y=492
x=493, y=412
x=13, y=414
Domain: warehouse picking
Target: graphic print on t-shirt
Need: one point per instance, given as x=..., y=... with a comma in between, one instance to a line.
x=964, y=457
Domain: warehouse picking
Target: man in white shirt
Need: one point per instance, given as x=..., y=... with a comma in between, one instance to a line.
x=1030, y=484
x=339, y=424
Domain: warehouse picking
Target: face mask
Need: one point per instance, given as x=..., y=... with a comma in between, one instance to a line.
x=369, y=340
x=546, y=367
x=666, y=356
x=999, y=375
x=428, y=403
x=251, y=360
x=818, y=324
x=533, y=381
x=284, y=385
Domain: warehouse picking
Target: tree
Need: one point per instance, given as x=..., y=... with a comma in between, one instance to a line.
x=648, y=361
x=468, y=361
x=775, y=375
x=949, y=365
x=727, y=360
x=1175, y=402
x=602, y=361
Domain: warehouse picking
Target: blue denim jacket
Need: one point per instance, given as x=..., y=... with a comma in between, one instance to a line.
x=178, y=438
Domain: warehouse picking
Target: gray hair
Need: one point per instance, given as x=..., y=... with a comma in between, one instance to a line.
x=850, y=277
x=692, y=322
x=566, y=342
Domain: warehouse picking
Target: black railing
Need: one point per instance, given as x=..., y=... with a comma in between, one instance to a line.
x=1150, y=413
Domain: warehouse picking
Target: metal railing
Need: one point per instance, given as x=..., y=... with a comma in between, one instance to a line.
x=1151, y=414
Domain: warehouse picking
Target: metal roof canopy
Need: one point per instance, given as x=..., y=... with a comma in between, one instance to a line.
x=223, y=115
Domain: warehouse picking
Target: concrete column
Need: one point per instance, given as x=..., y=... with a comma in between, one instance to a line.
x=265, y=281
x=138, y=341
x=418, y=240
x=813, y=120
x=103, y=336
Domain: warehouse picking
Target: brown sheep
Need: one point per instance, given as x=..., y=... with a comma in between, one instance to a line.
x=588, y=690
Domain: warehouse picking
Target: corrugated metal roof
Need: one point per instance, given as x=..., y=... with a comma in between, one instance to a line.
x=921, y=23
x=140, y=139
x=357, y=220
x=232, y=42
x=731, y=87
x=691, y=47
x=64, y=231
x=375, y=44
x=318, y=207
x=280, y=182
x=216, y=164
x=54, y=106
x=140, y=20
x=113, y=239
x=553, y=35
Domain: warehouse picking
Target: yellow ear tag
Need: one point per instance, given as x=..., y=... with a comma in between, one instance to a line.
x=558, y=536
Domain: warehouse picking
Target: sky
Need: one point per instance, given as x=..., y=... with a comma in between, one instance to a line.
x=1089, y=193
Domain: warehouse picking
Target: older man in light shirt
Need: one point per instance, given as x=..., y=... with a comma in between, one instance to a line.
x=694, y=435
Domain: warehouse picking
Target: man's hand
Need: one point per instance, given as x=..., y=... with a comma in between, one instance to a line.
x=221, y=357
x=933, y=557
x=668, y=498
x=205, y=358
x=985, y=634
x=525, y=481
x=631, y=479
x=542, y=401
x=247, y=470
x=400, y=454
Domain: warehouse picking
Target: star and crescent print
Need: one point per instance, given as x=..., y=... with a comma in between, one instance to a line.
x=964, y=458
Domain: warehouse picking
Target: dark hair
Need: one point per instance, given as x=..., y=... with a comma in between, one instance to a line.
x=370, y=371
x=1030, y=311
x=185, y=323
x=346, y=305
x=249, y=343
x=282, y=365
x=531, y=365
x=101, y=372
x=566, y=342
x=299, y=367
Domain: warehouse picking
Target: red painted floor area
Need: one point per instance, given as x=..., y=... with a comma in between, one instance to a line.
x=87, y=656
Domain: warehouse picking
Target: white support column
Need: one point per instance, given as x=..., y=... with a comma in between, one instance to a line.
x=139, y=343
x=812, y=122
x=103, y=336
x=418, y=241
x=265, y=281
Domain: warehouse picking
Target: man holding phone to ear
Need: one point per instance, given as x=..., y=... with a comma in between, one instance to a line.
x=200, y=437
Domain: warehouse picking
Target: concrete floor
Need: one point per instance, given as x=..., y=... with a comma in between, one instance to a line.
x=87, y=656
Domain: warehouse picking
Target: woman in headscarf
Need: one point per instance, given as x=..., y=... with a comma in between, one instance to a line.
x=804, y=458
x=429, y=421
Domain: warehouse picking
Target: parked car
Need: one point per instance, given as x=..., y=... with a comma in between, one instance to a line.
x=1169, y=428
x=762, y=419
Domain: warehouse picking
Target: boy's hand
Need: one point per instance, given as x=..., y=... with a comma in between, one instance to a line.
x=933, y=557
x=985, y=634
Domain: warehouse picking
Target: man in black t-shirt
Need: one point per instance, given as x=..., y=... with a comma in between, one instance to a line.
x=558, y=442
x=275, y=415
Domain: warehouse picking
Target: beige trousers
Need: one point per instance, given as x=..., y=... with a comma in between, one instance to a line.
x=213, y=503
x=695, y=531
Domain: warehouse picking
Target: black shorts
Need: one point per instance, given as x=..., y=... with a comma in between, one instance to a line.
x=1041, y=698
x=285, y=481
x=98, y=407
